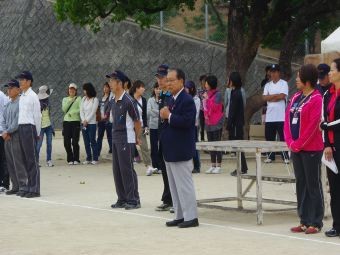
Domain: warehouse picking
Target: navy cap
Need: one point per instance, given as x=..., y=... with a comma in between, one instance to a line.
x=162, y=70
x=25, y=75
x=275, y=67
x=189, y=84
x=268, y=67
x=119, y=75
x=12, y=83
x=323, y=70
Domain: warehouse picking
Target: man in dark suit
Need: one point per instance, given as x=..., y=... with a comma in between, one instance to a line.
x=178, y=143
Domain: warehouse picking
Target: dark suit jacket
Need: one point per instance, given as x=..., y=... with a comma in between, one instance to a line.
x=178, y=135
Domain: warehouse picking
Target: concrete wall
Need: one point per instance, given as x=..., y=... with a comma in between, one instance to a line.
x=60, y=53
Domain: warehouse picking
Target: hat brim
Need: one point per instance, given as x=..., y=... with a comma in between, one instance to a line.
x=43, y=96
x=160, y=75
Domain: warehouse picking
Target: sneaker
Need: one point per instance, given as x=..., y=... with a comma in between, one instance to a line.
x=158, y=171
x=3, y=189
x=329, y=233
x=150, y=171
x=132, y=206
x=94, y=162
x=268, y=160
x=163, y=207
x=49, y=163
x=118, y=204
x=70, y=163
x=312, y=230
x=286, y=161
x=210, y=170
x=299, y=229
x=76, y=162
x=86, y=162
x=195, y=171
x=11, y=192
x=217, y=170
x=172, y=210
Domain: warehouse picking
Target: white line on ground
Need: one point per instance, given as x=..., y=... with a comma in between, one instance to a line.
x=162, y=218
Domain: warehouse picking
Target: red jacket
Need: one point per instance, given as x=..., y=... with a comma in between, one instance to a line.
x=310, y=136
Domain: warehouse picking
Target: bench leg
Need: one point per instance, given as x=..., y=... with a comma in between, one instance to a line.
x=259, y=187
x=239, y=182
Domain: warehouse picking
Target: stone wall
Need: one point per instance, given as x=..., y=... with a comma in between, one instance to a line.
x=59, y=53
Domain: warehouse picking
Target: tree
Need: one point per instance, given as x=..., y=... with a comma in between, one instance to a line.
x=250, y=24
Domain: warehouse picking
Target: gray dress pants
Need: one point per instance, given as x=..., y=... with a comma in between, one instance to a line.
x=15, y=163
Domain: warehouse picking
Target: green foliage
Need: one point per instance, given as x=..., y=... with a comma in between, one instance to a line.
x=90, y=12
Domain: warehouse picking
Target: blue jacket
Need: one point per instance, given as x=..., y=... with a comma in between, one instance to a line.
x=178, y=135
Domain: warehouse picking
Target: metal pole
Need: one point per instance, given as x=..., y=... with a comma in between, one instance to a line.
x=161, y=20
x=306, y=43
x=206, y=14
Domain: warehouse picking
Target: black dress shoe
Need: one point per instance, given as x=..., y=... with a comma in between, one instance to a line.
x=332, y=233
x=118, y=204
x=234, y=173
x=11, y=192
x=21, y=193
x=32, y=195
x=189, y=223
x=174, y=223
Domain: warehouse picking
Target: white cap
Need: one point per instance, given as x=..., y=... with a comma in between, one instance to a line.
x=72, y=85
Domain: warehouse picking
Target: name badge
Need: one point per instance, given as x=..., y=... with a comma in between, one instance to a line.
x=295, y=120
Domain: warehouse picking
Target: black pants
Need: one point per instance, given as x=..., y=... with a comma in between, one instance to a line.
x=71, y=133
x=215, y=156
x=124, y=174
x=166, y=196
x=334, y=185
x=271, y=129
x=154, y=148
x=28, y=144
x=236, y=133
x=4, y=177
x=307, y=169
x=202, y=124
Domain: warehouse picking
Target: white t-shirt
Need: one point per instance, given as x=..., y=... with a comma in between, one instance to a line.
x=276, y=110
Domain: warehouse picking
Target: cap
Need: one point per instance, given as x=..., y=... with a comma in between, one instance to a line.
x=189, y=84
x=72, y=85
x=323, y=70
x=268, y=67
x=275, y=67
x=12, y=83
x=162, y=70
x=119, y=75
x=44, y=92
x=25, y=75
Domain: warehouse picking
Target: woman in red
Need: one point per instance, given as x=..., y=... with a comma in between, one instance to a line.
x=331, y=127
x=304, y=139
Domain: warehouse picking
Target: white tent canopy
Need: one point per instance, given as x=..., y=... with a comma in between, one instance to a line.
x=331, y=43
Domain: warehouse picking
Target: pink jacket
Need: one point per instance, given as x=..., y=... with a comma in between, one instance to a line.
x=310, y=136
x=213, y=108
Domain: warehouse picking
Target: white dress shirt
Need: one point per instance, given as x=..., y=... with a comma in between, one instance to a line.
x=88, y=109
x=175, y=97
x=3, y=101
x=29, y=109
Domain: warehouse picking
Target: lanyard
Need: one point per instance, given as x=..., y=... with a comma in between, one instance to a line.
x=301, y=103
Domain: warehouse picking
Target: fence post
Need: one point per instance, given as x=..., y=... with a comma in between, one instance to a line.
x=206, y=21
x=161, y=20
x=306, y=42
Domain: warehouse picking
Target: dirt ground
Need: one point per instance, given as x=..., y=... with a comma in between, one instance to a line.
x=75, y=218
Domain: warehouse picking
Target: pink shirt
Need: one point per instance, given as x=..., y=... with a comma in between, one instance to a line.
x=310, y=136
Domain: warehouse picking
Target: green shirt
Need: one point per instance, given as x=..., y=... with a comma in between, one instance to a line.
x=73, y=113
x=45, y=118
